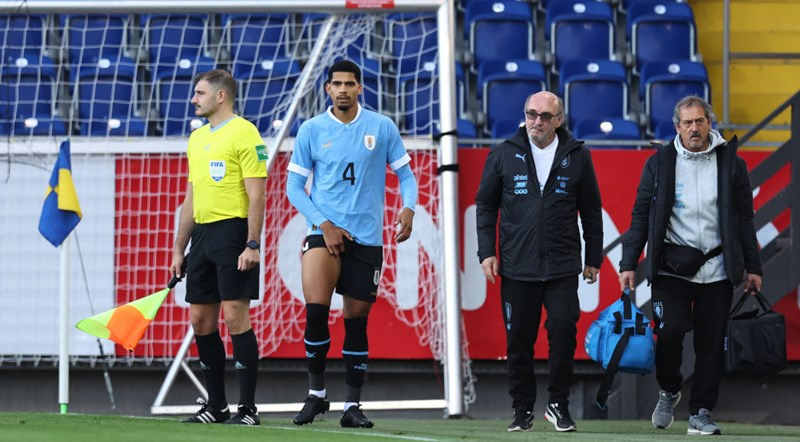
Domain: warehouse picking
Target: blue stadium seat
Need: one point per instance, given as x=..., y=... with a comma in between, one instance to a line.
x=173, y=88
x=503, y=87
x=499, y=30
x=504, y=129
x=607, y=129
x=27, y=97
x=95, y=36
x=253, y=38
x=594, y=89
x=664, y=83
x=662, y=31
x=22, y=35
x=419, y=99
x=175, y=36
x=260, y=92
x=412, y=38
x=311, y=24
x=665, y=131
x=579, y=30
x=106, y=98
x=464, y=127
x=624, y=5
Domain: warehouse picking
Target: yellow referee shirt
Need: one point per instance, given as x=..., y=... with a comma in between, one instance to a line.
x=219, y=161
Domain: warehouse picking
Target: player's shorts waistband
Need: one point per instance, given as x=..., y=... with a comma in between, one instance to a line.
x=220, y=223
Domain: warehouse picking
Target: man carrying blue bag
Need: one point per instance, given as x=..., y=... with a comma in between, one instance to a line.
x=621, y=339
x=694, y=209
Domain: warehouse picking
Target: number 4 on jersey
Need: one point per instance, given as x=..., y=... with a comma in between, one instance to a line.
x=349, y=174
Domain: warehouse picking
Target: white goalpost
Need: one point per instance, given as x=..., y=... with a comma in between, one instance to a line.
x=278, y=50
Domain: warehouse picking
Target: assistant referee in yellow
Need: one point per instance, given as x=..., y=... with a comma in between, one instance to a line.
x=223, y=214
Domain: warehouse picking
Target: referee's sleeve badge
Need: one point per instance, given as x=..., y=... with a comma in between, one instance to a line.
x=261, y=151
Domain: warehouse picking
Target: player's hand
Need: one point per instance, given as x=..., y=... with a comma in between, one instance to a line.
x=590, y=274
x=177, y=263
x=334, y=238
x=248, y=259
x=627, y=279
x=403, y=224
x=490, y=268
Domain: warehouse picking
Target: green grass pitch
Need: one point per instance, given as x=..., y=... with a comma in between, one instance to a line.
x=94, y=428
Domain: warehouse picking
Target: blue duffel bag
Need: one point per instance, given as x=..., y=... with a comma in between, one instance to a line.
x=621, y=339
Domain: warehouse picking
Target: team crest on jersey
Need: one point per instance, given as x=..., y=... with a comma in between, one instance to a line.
x=217, y=170
x=369, y=142
x=565, y=162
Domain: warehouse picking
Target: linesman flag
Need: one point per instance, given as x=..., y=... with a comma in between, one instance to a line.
x=61, y=211
x=126, y=324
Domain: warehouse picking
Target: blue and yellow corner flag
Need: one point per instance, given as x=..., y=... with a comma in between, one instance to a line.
x=61, y=211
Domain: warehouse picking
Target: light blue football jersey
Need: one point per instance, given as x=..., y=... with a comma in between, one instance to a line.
x=349, y=166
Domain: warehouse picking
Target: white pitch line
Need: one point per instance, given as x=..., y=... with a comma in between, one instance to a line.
x=366, y=433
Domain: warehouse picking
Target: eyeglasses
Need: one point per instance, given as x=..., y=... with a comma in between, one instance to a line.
x=545, y=116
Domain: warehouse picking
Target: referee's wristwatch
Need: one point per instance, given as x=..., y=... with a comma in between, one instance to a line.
x=253, y=244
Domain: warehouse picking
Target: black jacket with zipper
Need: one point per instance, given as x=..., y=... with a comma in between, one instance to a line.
x=539, y=236
x=653, y=208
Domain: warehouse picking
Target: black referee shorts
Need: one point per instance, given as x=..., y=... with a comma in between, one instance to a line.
x=361, y=268
x=211, y=273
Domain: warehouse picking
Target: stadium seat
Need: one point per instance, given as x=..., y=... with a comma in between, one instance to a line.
x=664, y=83
x=27, y=98
x=499, y=30
x=503, y=87
x=260, y=92
x=95, y=36
x=252, y=38
x=594, y=89
x=607, y=129
x=579, y=30
x=665, y=131
x=22, y=35
x=412, y=40
x=464, y=127
x=419, y=99
x=504, y=129
x=624, y=5
x=106, y=98
x=176, y=36
x=663, y=31
x=173, y=89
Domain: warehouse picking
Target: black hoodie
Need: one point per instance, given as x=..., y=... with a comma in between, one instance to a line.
x=539, y=236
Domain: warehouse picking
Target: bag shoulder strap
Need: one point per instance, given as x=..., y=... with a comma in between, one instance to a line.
x=712, y=253
x=613, y=366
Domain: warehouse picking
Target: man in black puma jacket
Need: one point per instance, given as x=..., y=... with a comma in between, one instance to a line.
x=694, y=192
x=540, y=180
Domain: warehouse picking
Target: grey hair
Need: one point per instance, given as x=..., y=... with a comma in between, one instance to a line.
x=689, y=101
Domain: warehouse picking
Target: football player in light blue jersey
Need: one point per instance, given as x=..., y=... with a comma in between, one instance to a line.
x=347, y=149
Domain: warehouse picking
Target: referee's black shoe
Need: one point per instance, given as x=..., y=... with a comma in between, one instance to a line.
x=245, y=416
x=312, y=407
x=209, y=415
x=353, y=417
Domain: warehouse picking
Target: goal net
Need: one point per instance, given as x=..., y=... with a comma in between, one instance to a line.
x=119, y=84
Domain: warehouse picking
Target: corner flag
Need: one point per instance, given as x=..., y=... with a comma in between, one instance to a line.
x=61, y=211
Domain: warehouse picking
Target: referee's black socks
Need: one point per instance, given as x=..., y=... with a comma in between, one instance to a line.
x=245, y=356
x=211, y=351
x=318, y=342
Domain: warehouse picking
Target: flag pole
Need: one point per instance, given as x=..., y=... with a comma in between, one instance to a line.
x=63, y=358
